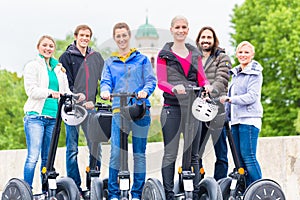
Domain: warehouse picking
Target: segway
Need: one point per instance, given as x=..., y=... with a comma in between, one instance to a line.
x=233, y=187
x=124, y=174
x=183, y=187
x=99, y=130
x=56, y=188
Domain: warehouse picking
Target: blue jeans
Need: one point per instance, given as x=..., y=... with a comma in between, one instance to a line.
x=139, y=130
x=245, y=138
x=72, y=133
x=38, y=130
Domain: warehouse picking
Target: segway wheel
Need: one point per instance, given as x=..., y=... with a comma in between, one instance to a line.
x=96, y=189
x=224, y=184
x=264, y=189
x=153, y=190
x=124, y=195
x=67, y=189
x=209, y=189
x=17, y=189
x=105, y=188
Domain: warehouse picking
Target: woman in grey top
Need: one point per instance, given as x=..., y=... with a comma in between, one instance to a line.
x=244, y=108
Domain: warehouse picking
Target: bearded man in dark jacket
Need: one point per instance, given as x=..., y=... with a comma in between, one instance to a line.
x=216, y=66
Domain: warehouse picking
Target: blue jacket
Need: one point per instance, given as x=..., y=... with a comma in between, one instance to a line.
x=246, y=95
x=133, y=75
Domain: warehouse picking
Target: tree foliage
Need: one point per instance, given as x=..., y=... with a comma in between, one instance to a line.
x=272, y=26
x=12, y=99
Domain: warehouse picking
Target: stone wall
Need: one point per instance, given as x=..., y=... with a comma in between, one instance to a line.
x=279, y=158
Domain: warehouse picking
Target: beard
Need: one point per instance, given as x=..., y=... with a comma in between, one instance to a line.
x=207, y=48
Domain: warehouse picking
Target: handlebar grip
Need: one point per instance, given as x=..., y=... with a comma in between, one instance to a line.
x=102, y=105
x=61, y=95
x=124, y=94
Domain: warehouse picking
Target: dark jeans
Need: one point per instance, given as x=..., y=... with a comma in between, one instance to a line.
x=173, y=123
x=218, y=132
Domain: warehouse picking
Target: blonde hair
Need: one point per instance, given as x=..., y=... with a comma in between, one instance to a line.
x=179, y=17
x=43, y=37
x=245, y=43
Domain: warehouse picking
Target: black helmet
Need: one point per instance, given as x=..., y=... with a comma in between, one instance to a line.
x=135, y=111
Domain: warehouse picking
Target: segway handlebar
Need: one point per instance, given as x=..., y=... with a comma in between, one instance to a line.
x=68, y=96
x=124, y=94
x=102, y=106
x=191, y=88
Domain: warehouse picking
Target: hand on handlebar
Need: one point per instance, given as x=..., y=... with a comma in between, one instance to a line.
x=79, y=97
x=105, y=95
x=89, y=105
x=179, y=89
x=54, y=94
x=209, y=88
x=224, y=99
x=142, y=94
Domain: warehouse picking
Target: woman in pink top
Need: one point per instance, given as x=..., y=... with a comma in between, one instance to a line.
x=179, y=65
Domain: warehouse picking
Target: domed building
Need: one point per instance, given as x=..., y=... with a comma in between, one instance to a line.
x=147, y=39
x=147, y=42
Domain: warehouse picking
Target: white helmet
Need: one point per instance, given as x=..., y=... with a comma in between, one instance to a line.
x=75, y=116
x=204, y=111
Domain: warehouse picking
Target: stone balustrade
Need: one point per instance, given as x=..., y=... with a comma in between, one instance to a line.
x=279, y=158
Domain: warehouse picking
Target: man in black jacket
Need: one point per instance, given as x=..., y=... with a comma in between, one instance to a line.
x=84, y=67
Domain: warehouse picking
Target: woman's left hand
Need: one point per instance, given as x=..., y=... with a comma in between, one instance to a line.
x=224, y=99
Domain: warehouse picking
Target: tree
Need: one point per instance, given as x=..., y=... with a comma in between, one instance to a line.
x=12, y=100
x=272, y=26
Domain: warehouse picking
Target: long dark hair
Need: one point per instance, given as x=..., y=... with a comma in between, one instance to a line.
x=216, y=40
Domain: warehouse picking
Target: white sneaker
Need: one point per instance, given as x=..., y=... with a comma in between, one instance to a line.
x=114, y=199
x=135, y=199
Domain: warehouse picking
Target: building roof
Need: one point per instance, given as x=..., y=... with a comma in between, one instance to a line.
x=146, y=30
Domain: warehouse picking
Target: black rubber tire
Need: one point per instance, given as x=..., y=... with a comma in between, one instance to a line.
x=224, y=184
x=105, y=188
x=264, y=189
x=124, y=195
x=209, y=189
x=96, y=189
x=153, y=190
x=67, y=189
x=188, y=195
x=17, y=189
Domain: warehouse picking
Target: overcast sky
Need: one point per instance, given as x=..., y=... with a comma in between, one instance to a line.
x=23, y=22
